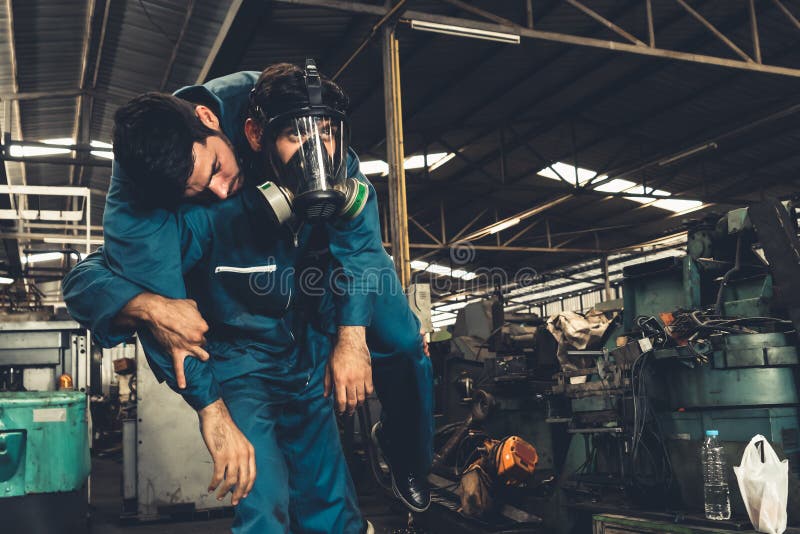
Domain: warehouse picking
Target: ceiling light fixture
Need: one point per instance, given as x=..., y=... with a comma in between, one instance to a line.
x=461, y=31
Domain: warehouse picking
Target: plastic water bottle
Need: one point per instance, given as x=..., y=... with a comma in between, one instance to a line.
x=715, y=478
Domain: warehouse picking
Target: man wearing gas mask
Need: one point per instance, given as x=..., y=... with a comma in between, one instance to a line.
x=304, y=141
x=94, y=291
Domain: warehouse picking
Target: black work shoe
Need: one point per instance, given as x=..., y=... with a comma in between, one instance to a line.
x=412, y=490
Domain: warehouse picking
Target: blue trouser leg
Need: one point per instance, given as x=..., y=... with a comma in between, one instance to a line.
x=266, y=508
x=323, y=499
x=302, y=483
x=403, y=378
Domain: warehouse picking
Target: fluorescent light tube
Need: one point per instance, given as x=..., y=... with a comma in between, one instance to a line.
x=461, y=31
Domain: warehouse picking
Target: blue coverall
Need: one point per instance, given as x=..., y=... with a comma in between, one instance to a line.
x=142, y=252
x=269, y=357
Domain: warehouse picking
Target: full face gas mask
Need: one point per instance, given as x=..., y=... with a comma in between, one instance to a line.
x=307, y=143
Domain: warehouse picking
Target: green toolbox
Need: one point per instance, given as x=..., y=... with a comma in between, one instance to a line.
x=43, y=442
x=44, y=462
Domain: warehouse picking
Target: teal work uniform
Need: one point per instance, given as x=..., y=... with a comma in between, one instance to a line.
x=143, y=253
x=245, y=275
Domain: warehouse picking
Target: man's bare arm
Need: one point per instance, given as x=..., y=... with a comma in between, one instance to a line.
x=233, y=455
x=350, y=369
x=175, y=323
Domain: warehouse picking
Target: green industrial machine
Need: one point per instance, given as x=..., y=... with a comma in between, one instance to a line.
x=706, y=340
x=44, y=433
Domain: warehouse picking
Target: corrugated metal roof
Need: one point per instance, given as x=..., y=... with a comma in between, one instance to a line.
x=134, y=54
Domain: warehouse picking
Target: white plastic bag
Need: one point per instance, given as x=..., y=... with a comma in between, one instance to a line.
x=764, y=486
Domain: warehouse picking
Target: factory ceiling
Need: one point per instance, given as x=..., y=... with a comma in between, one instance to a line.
x=516, y=125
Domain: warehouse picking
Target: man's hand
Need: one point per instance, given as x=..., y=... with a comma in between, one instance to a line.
x=425, y=347
x=349, y=369
x=175, y=323
x=234, y=456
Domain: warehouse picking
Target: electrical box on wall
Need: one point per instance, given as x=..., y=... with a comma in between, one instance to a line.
x=419, y=298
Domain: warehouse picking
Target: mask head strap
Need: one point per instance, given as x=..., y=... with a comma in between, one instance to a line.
x=313, y=84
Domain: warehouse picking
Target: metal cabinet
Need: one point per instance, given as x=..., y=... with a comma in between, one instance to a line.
x=167, y=466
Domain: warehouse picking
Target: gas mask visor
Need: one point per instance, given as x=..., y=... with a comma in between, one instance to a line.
x=315, y=173
x=309, y=139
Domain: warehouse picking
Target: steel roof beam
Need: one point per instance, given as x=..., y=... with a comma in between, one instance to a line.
x=394, y=12
x=594, y=15
x=222, y=35
x=186, y=18
x=433, y=96
x=59, y=161
x=613, y=46
x=80, y=130
x=481, y=12
x=609, y=89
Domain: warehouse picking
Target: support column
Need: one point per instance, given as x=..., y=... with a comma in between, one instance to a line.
x=395, y=156
x=607, y=279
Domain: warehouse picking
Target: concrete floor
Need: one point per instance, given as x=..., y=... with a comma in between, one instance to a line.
x=385, y=515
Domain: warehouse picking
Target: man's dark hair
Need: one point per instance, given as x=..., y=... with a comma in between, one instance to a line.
x=153, y=138
x=282, y=85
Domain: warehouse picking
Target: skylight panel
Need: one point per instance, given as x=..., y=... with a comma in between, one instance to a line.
x=567, y=171
x=435, y=160
x=26, y=151
x=617, y=185
x=375, y=167
x=418, y=161
x=620, y=185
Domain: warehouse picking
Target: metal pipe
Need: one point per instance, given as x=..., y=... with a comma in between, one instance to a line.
x=482, y=232
x=702, y=20
x=604, y=21
x=469, y=224
x=502, y=248
x=369, y=37
x=754, y=30
x=74, y=147
x=529, y=13
x=54, y=190
x=88, y=223
x=481, y=12
x=424, y=230
x=651, y=32
x=394, y=152
x=79, y=132
x=37, y=95
x=59, y=161
x=49, y=238
x=788, y=13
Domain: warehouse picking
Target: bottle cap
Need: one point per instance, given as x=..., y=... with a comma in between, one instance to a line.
x=712, y=432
